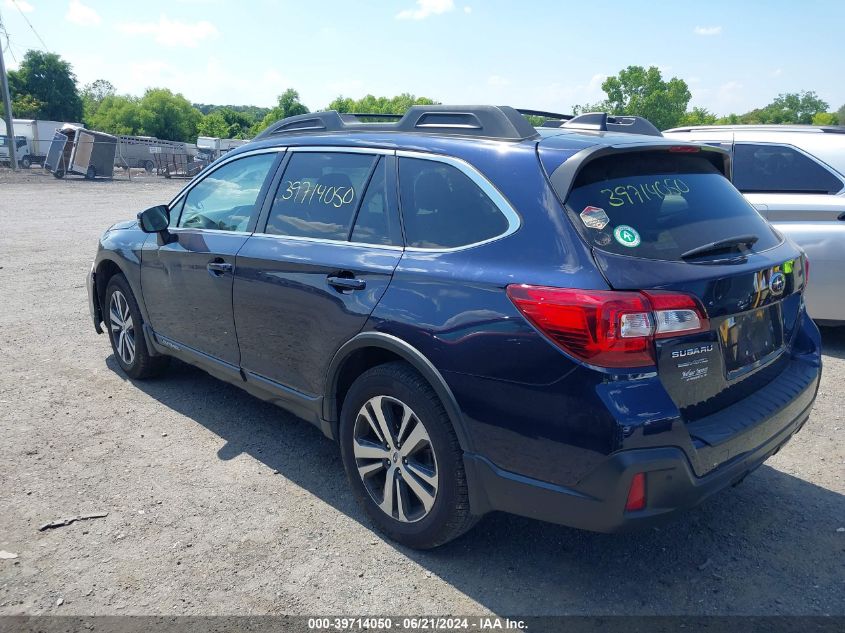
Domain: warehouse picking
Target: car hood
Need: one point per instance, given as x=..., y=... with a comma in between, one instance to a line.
x=126, y=224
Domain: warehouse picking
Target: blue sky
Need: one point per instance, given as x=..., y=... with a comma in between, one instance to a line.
x=541, y=54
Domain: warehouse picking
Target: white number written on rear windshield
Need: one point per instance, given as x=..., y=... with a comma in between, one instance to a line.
x=642, y=192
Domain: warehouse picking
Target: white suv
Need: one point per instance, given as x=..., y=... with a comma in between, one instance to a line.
x=793, y=175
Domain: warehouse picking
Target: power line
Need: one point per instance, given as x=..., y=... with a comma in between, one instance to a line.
x=26, y=19
x=8, y=40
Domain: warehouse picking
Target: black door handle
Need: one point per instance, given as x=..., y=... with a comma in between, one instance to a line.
x=346, y=283
x=218, y=268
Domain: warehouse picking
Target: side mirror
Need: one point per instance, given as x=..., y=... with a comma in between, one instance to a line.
x=155, y=219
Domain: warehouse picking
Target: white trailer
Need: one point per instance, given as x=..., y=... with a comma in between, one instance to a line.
x=37, y=135
x=211, y=148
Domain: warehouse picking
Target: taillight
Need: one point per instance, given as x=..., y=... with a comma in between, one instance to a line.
x=608, y=328
x=806, y=270
x=636, y=494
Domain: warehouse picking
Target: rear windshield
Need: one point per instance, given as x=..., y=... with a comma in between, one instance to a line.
x=659, y=205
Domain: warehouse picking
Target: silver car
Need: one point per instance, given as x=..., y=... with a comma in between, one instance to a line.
x=793, y=175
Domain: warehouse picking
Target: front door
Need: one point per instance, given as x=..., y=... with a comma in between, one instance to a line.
x=187, y=282
x=307, y=281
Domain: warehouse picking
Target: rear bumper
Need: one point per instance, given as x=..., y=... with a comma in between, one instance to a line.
x=597, y=502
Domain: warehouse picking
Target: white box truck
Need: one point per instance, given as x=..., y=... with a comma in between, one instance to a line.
x=33, y=138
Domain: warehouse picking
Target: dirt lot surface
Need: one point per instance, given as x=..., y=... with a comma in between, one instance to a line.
x=220, y=504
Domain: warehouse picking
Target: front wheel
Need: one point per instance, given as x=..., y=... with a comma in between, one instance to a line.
x=25, y=162
x=402, y=458
x=125, y=326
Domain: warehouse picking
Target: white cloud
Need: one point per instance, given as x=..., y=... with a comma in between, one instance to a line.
x=425, y=8
x=707, y=30
x=467, y=9
x=777, y=72
x=498, y=81
x=23, y=5
x=81, y=14
x=173, y=33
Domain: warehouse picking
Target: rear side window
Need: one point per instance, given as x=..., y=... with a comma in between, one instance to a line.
x=377, y=221
x=659, y=205
x=443, y=208
x=781, y=169
x=319, y=194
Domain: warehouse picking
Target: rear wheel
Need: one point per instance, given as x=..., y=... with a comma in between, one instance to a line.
x=125, y=326
x=59, y=173
x=149, y=166
x=402, y=458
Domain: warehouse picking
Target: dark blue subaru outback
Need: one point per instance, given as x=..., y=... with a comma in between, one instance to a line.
x=583, y=323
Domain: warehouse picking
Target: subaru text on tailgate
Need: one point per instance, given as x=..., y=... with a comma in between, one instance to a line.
x=584, y=323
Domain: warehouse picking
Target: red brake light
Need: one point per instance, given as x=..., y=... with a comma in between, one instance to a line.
x=608, y=328
x=636, y=494
x=685, y=149
x=806, y=270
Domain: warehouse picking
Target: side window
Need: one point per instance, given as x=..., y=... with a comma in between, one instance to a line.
x=225, y=199
x=443, y=208
x=319, y=193
x=780, y=169
x=377, y=221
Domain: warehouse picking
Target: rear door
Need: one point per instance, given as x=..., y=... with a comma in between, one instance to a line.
x=187, y=281
x=323, y=254
x=804, y=199
x=644, y=213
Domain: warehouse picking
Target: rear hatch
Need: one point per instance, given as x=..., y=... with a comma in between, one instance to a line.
x=667, y=219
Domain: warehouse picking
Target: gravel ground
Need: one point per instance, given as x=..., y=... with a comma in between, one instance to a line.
x=221, y=504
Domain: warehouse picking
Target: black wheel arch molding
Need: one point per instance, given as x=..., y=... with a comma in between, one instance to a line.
x=408, y=353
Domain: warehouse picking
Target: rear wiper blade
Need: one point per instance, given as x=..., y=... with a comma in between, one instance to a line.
x=739, y=240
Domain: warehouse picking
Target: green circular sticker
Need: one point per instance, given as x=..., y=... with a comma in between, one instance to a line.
x=626, y=235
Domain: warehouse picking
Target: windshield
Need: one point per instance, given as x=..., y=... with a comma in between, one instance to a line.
x=660, y=205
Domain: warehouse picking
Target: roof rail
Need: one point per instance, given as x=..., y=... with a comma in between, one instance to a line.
x=553, y=116
x=602, y=122
x=768, y=127
x=492, y=122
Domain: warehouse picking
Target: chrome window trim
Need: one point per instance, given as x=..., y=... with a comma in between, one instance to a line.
x=323, y=240
x=505, y=207
x=191, y=229
x=229, y=159
x=338, y=149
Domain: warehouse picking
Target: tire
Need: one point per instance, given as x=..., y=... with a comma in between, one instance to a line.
x=90, y=173
x=124, y=325
x=149, y=166
x=59, y=173
x=25, y=163
x=433, y=465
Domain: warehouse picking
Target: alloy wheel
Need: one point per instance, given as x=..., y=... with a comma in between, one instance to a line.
x=122, y=327
x=395, y=459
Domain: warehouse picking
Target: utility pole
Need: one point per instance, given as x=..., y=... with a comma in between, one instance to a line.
x=7, y=106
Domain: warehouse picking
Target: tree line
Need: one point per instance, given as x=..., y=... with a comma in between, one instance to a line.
x=45, y=87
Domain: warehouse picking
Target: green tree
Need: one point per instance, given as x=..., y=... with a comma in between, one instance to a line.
x=698, y=116
x=92, y=96
x=168, y=116
x=791, y=107
x=840, y=115
x=379, y=105
x=117, y=114
x=26, y=107
x=288, y=105
x=825, y=118
x=49, y=80
x=225, y=123
x=643, y=92
x=213, y=124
